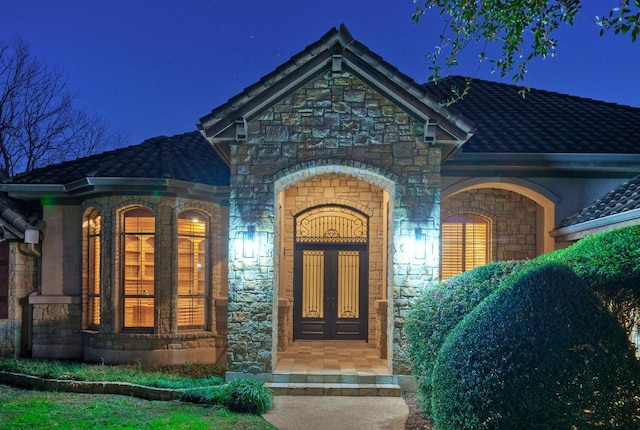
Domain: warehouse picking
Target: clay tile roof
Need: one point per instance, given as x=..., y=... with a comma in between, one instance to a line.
x=187, y=157
x=542, y=122
x=624, y=198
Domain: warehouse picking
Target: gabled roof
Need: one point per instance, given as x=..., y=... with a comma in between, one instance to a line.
x=541, y=122
x=187, y=157
x=335, y=50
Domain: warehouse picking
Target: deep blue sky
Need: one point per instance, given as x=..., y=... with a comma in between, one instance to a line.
x=153, y=67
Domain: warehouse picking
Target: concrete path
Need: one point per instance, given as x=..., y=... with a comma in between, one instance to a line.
x=338, y=413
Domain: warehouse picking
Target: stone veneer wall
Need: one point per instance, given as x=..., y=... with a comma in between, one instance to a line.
x=348, y=191
x=23, y=279
x=513, y=219
x=60, y=325
x=331, y=122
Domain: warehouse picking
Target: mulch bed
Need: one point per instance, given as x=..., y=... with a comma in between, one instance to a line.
x=417, y=420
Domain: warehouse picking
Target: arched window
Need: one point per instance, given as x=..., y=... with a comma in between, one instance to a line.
x=192, y=271
x=138, y=242
x=93, y=231
x=465, y=243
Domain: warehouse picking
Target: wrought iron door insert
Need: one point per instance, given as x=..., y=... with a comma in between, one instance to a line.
x=331, y=274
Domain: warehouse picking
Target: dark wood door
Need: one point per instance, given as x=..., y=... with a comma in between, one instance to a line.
x=330, y=292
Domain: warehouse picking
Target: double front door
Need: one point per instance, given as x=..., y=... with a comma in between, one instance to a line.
x=330, y=292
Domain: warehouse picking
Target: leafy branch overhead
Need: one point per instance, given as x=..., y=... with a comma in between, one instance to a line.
x=523, y=29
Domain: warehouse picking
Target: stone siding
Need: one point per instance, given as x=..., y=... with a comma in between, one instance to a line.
x=348, y=191
x=22, y=280
x=512, y=215
x=59, y=319
x=331, y=122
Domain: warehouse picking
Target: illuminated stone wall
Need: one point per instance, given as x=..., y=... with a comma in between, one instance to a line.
x=332, y=124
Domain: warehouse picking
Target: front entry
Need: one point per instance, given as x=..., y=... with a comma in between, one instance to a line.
x=331, y=274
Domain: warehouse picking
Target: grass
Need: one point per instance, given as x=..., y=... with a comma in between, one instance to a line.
x=188, y=375
x=21, y=409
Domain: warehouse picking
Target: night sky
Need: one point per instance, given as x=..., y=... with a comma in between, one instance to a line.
x=154, y=67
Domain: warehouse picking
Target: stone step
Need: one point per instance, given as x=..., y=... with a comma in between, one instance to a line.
x=333, y=389
x=320, y=384
x=333, y=378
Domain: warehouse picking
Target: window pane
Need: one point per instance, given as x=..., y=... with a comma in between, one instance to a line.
x=191, y=264
x=451, y=249
x=139, y=268
x=465, y=244
x=93, y=268
x=138, y=312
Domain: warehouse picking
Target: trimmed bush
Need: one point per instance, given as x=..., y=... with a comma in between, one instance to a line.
x=609, y=263
x=437, y=312
x=248, y=396
x=540, y=353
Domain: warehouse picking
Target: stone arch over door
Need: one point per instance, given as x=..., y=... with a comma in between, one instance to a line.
x=300, y=190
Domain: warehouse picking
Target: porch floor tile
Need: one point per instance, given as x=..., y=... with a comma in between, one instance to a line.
x=329, y=357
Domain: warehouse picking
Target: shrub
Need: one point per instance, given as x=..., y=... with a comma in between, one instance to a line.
x=540, y=353
x=215, y=395
x=609, y=262
x=248, y=396
x=439, y=309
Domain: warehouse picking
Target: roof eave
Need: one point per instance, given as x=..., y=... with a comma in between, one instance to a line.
x=544, y=164
x=587, y=228
x=88, y=186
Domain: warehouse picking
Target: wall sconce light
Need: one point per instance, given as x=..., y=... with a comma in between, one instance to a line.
x=248, y=242
x=421, y=244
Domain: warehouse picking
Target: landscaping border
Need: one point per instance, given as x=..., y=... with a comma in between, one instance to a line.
x=20, y=380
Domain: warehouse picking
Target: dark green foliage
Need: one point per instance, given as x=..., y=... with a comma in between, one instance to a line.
x=609, y=263
x=439, y=309
x=188, y=369
x=215, y=395
x=540, y=353
x=248, y=396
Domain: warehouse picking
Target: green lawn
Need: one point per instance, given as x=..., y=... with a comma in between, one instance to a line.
x=24, y=409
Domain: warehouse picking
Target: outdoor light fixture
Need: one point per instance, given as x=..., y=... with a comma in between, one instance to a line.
x=421, y=244
x=248, y=242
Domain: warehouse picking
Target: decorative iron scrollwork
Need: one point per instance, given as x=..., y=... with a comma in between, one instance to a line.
x=331, y=224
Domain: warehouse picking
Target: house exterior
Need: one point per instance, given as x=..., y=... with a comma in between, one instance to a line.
x=316, y=204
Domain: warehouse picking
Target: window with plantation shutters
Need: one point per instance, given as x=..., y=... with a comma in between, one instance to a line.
x=139, y=268
x=93, y=228
x=465, y=244
x=192, y=269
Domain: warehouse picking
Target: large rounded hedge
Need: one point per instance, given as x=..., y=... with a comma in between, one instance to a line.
x=438, y=310
x=540, y=353
x=609, y=263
